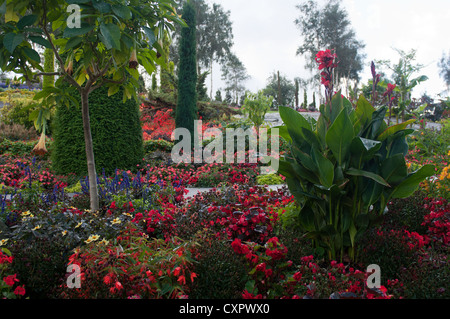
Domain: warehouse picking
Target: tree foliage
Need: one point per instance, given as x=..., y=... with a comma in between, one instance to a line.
x=186, y=111
x=281, y=88
x=214, y=37
x=444, y=68
x=329, y=28
x=234, y=74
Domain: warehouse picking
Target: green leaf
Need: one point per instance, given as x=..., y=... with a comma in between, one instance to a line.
x=12, y=40
x=294, y=122
x=72, y=42
x=411, y=183
x=122, y=11
x=26, y=21
x=113, y=90
x=111, y=34
x=306, y=218
x=73, y=32
x=373, y=176
x=150, y=35
x=393, y=169
x=3, y=8
x=394, y=129
x=32, y=54
x=325, y=168
x=339, y=136
x=101, y=6
x=364, y=111
x=40, y=40
x=282, y=132
x=77, y=1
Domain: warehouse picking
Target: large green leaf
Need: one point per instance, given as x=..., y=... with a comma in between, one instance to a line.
x=339, y=136
x=363, y=111
x=371, y=193
x=150, y=35
x=27, y=21
x=122, y=11
x=32, y=54
x=282, y=132
x=111, y=35
x=12, y=40
x=394, y=169
x=372, y=129
x=394, y=129
x=307, y=218
x=73, y=32
x=304, y=159
x=40, y=40
x=411, y=183
x=373, y=176
x=294, y=122
x=325, y=168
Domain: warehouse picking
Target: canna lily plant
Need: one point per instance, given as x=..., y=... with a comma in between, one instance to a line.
x=343, y=169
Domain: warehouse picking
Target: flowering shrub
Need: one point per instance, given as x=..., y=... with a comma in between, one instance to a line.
x=272, y=276
x=159, y=126
x=438, y=221
x=10, y=287
x=22, y=172
x=247, y=213
x=132, y=267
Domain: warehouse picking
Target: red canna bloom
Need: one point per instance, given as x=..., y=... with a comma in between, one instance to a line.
x=326, y=59
x=390, y=89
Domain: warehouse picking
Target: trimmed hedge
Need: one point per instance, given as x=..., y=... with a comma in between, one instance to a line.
x=116, y=134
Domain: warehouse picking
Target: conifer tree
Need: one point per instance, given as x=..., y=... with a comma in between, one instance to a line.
x=186, y=111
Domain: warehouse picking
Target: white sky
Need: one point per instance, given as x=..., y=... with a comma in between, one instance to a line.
x=266, y=37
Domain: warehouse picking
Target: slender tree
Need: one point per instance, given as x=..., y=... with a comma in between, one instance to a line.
x=444, y=69
x=186, y=111
x=234, y=74
x=214, y=37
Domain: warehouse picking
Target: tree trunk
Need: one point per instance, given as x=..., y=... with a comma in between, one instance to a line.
x=93, y=190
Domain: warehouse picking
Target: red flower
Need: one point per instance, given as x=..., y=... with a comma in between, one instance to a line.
x=326, y=59
x=118, y=286
x=390, y=89
x=19, y=291
x=9, y=280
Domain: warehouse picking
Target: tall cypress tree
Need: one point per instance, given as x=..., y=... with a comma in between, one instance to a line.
x=186, y=111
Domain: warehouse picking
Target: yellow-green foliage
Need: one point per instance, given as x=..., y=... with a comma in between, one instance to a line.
x=16, y=108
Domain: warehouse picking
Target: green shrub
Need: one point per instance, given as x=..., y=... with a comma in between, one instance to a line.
x=41, y=265
x=408, y=213
x=18, y=148
x=220, y=275
x=116, y=134
x=157, y=145
x=269, y=179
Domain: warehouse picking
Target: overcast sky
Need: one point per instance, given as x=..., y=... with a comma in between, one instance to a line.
x=266, y=37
